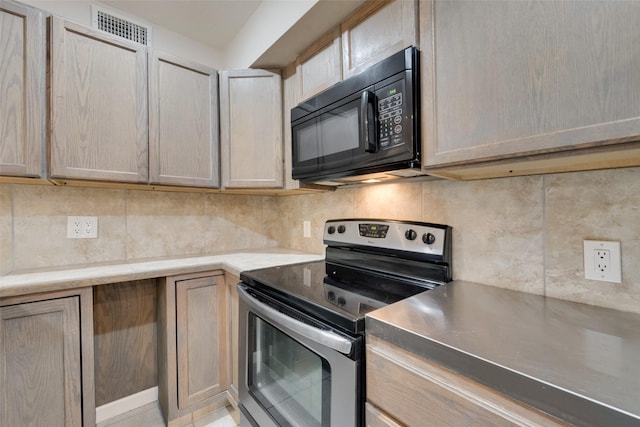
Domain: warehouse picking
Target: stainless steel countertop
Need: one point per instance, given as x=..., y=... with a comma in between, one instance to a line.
x=578, y=362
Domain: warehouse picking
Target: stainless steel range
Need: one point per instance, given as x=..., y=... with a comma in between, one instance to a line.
x=302, y=326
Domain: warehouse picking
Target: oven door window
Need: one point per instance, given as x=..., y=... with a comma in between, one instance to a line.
x=292, y=383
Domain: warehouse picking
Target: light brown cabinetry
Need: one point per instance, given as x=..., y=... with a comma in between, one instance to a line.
x=232, y=310
x=99, y=119
x=22, y=90
x=319, y=67
x=46, y=360
x=193, y=367
x=376, y=31
x=251, y=129
x=405, y=389
x=183, y=117
x=503, y=80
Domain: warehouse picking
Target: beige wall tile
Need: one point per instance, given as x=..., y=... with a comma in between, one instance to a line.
x=6, y=229
x=599, y=205
x=40, y=226
x=284, y=216
x=163, y=224
x=389, y=201
x=497, y=229
x=235, y=222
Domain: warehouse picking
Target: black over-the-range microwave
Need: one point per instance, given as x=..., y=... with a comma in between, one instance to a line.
x=366, y=126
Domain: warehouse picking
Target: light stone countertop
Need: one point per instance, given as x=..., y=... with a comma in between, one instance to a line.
x=578, y=362
x=69, y=278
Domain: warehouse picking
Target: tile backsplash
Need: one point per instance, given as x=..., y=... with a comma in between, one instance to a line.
x=522, y=233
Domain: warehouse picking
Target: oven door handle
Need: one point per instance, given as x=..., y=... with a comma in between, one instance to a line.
x=325, y=338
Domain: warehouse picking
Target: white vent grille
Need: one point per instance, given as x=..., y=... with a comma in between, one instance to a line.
x=121, y=26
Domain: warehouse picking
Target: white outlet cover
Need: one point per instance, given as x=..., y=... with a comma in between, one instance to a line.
x=614, y=275
x=82, y=227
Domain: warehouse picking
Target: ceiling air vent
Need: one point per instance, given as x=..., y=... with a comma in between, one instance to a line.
x=121, y=26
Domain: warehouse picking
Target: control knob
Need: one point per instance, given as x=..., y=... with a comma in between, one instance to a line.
x=331, y=229
x=428, y=238
x=410, y=234
x=342, y=229
x=331, y=296
x=341, y=301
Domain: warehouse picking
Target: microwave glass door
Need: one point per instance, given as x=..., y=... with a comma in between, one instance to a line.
x=331, y=139
x=290, y=382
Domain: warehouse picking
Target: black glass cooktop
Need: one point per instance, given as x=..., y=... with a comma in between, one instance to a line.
x=334, y=293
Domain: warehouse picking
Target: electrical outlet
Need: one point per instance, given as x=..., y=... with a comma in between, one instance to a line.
x=82, y=227
x=602, y=261
x=90, y=227
x=306, y=228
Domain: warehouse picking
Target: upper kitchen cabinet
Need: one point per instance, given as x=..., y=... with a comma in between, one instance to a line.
x=251, y=129
x=22, y=90
x=503, y=80
x=376, y=31
x=319, y=67
x=290, y=98
x=99, y=119
x=183, y=117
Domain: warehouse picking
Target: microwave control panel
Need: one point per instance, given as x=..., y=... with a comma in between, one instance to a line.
x=391, y=115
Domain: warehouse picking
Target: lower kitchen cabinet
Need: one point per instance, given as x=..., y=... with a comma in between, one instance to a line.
x=232, y=310
x=405, y=389
x=46, y=360
x=192, y=346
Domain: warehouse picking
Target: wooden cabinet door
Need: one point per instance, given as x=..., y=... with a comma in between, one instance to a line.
x=506, y=79
x=40, y=371
x=232, y=309
x=99, y=119
x=319, y=67
x=201, y=328
x=183, y=117
x=377, y=31
x=22, y=90
x=251, y=129
x=411, y=389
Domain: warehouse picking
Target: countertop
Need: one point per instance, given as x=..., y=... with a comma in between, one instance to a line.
x=578, y=362
x=69, y=278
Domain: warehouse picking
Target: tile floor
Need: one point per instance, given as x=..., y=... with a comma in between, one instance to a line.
x=150, y=416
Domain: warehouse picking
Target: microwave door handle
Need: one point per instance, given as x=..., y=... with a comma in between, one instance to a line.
x=368, y=125
x=325, y=338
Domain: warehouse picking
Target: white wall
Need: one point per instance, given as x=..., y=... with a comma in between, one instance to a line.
x=163, y=39
x=267, y=24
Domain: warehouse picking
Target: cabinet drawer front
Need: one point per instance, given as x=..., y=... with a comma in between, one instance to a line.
x=412, y=390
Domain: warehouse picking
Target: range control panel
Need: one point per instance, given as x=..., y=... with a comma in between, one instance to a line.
x=408, y=236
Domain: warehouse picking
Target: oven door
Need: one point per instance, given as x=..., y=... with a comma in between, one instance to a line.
x=293, y=373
